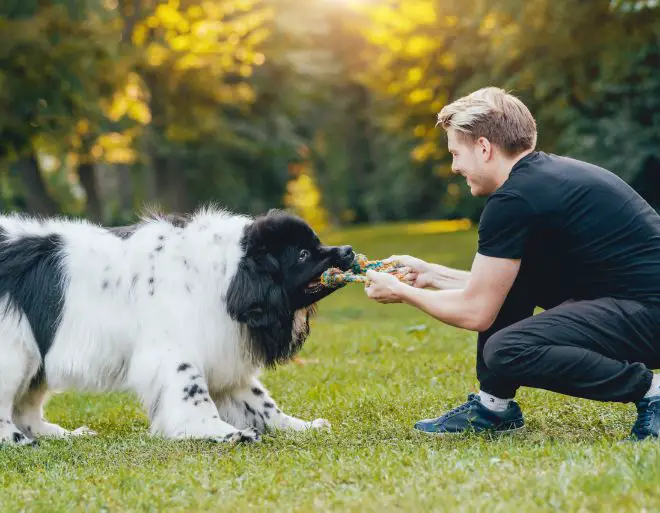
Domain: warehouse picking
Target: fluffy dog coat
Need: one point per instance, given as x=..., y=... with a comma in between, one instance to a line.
x=185, y=314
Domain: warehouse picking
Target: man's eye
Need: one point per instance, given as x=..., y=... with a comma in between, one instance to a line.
x=304, y=255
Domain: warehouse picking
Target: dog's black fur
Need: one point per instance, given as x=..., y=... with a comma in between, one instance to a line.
x=282, y=256
x=31, y=280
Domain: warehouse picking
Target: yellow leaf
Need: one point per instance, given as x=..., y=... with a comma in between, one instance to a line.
x=419, y=12
x=118, y=107
x=156, y=54
x=120, y=155
x=420, y=95
x=139, y=34
x=245, y=92
x=395, y=45
x=419, y=45
x=82, y=127
x=180, y=43
x=195, y=11
x=420, y=131
x=422, y=152
x=415, y=75
x=488, y=23
x=140, y=112
x=189, y=61
x=97, y=151
x=168, y=15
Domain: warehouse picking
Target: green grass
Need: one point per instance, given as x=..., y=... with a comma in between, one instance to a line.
x=372, y=370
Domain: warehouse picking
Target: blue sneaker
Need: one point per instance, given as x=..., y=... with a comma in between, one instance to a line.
x=474, y=416
x=647, y=424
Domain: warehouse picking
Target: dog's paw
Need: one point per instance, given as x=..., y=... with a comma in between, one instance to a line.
x=83, y=431
x=320, y=424
x=249, y=435
x=15, y=437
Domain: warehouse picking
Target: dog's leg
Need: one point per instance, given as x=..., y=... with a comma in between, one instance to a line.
x=252, y=406
x=180, y=407
x=28, y=415
x=14, y=375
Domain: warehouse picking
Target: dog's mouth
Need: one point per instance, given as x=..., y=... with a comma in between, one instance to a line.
x=314, y=286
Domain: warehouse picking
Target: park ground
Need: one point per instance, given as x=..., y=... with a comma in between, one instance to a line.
x=372, y=370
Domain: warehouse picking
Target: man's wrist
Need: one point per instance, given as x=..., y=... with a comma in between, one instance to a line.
x=402, y=291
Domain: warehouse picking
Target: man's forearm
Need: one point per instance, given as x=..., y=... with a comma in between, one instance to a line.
x=448, y=306
x=446, y=278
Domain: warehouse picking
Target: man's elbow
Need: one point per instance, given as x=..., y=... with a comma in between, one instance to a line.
x=480, y=320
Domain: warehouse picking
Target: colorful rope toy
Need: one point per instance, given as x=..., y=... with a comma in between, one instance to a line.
x=357, y=273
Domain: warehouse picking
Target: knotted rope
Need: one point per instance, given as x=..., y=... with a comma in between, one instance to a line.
x=357, y=273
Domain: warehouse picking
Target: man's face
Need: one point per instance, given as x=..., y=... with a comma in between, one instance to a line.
x=473, y=161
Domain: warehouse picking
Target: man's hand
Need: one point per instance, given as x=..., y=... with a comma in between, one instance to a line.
x=383, y=287
x=417, y=272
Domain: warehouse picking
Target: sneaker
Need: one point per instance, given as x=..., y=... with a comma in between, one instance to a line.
x=474, y=416
x=647, y=424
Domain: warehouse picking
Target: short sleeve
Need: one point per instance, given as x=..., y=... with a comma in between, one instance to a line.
x=504, y=226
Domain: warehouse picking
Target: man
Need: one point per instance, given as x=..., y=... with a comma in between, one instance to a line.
x=557, y=233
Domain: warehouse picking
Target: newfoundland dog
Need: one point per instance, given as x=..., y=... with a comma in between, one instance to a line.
x=183, y=311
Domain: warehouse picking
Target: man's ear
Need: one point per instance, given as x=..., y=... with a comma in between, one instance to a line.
x=485, y=147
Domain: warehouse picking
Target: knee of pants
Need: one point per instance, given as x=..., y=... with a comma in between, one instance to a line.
x=502, y=350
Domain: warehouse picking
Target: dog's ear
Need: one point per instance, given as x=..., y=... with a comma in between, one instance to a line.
x=254, y=297
x=268, y=263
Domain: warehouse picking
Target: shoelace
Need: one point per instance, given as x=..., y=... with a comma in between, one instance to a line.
x=459, y=409
x=644, y=417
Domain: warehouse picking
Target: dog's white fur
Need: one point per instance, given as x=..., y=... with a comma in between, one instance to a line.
x=143, y=314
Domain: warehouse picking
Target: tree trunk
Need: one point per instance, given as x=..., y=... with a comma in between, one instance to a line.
x=88, y=182
x=170, y=185
x=37, y=199
x=125, y=188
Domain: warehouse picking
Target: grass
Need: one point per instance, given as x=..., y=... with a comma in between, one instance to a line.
x=372, y=370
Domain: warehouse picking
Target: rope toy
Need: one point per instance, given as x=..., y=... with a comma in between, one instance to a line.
x=334, y=277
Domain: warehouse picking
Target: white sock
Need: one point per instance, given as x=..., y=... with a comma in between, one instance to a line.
x=654, y=389
x=494, y=403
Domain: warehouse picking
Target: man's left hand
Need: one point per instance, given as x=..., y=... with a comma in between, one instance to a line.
x=383, y=287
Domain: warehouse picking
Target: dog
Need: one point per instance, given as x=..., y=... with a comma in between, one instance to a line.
x=185, y=311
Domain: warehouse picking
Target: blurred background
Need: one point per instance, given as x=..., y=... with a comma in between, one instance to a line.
x=326, y=107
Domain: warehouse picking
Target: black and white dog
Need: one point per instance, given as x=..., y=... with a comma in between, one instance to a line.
x=185, y=312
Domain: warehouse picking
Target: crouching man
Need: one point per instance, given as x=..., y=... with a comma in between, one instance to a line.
x=558, y=233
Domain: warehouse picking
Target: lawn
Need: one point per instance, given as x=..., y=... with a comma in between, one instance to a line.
x=371, y=370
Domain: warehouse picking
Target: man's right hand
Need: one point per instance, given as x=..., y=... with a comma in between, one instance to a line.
x=419, y=273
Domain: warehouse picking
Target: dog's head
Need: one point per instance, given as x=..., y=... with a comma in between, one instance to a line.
x=279, y=274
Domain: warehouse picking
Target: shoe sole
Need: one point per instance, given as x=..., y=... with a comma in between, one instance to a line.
x=507, y=432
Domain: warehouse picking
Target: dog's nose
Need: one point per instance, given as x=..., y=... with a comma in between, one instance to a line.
x=346, y=252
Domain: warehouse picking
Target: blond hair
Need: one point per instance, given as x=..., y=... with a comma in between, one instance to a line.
x=494, y=114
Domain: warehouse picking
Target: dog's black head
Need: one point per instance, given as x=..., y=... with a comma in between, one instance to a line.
x=277, y=276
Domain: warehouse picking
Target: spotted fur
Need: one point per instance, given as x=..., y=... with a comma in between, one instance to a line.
x=183, y=310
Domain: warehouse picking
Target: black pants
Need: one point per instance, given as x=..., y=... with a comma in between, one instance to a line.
x=599, y=349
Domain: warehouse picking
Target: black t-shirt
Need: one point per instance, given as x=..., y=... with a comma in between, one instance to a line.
x=578, y=220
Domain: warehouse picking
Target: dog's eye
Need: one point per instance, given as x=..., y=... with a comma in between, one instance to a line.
x=304, y=255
